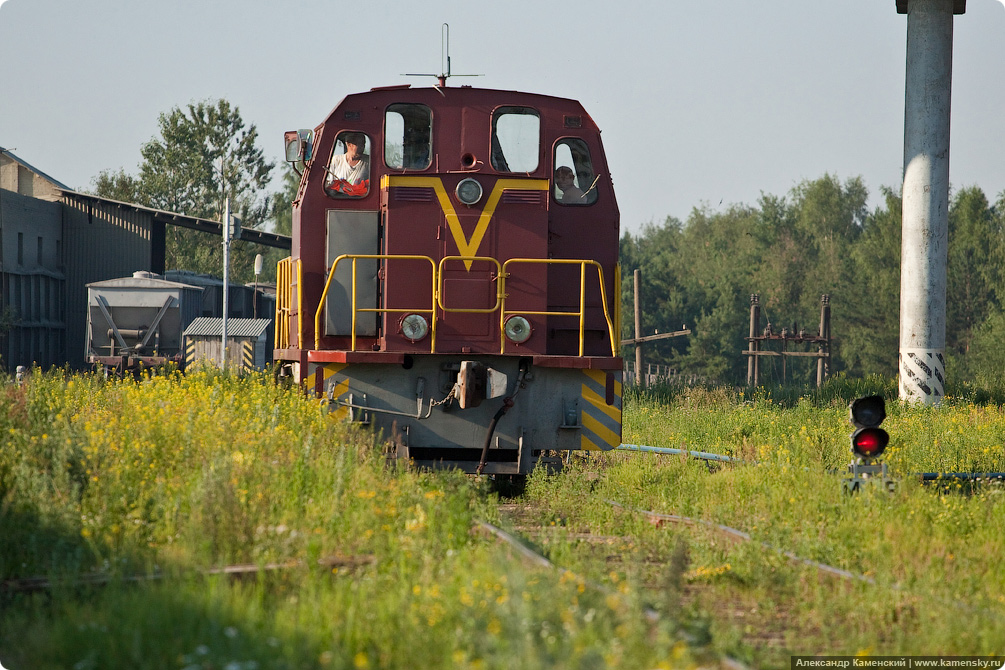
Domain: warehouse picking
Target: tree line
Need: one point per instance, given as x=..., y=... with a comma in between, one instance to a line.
x=821, y=238
x=203, y=154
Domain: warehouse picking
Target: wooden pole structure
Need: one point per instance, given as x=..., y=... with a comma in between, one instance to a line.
x=640, y=377
x=824, y=363
x=640, y=374
x=753, y=362
x=756, y=338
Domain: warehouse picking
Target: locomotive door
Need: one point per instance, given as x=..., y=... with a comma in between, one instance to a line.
x=468, y=320
x=512, y=223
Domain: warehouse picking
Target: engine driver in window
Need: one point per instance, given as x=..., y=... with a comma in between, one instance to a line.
x=349, y=173
x=566, y=182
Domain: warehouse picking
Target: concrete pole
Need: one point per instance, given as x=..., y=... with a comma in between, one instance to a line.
x=926, y=199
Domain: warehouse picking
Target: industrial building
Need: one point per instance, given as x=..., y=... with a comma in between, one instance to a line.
x=54, y=241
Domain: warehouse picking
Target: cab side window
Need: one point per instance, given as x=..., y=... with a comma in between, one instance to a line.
x=516, y=139
x=348, y=171
x=408, y=137
x=575, y=183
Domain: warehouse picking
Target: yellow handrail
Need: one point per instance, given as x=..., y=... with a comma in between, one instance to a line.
x=355, y=310
x=582, y=299
x=468, y=260
x=283, y=302
x=437, y=296
x=300, y=303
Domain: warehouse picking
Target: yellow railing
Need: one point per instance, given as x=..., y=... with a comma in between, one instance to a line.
x=284, y=300
x=356, y=310
x=502, y=272
x=470, y=310
x=300, y=303
x=503, y=313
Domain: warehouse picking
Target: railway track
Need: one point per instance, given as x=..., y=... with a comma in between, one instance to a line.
x=735, y=604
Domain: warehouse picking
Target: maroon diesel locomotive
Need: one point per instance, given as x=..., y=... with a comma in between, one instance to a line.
x=454, y=276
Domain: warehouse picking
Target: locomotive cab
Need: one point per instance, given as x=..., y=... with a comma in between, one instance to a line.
x=454, y=260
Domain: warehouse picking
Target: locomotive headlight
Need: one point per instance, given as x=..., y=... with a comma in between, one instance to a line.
x=469, y=191
x=414, y=327
x=517, y=329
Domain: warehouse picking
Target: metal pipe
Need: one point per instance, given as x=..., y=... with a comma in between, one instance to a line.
x=966, y=476
x=507, y=403
x=703, y=455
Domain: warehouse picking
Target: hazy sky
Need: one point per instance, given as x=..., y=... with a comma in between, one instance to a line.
x=700, y=103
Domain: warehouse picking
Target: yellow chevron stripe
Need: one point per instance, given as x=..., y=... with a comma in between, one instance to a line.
x=332, y=369
x=341, y=388
x=600, y=376
x=342, y=413
x=601, y=431
x=586, y=444
x=468, y=247
x=599, y=403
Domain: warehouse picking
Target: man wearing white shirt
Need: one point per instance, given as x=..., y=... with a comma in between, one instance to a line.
x=353, y=166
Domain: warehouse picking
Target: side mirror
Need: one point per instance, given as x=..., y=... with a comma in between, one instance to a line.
x=299, y=145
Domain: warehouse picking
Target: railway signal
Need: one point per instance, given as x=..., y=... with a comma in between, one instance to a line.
x=868, y=442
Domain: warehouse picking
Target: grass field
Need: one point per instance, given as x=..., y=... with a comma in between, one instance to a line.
x=126, y=497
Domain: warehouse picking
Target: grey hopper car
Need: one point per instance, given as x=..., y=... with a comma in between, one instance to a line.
x=139, y=321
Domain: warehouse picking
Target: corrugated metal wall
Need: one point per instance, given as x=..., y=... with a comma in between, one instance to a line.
x=243, y=353
x=101, y=241
x=32, y=284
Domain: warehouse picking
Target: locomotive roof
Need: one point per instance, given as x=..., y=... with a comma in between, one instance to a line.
x=462, y=96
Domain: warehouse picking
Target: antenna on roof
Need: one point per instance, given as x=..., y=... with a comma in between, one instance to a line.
x=444, y=61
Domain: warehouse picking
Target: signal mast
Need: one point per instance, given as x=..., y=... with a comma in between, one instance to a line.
x=868, y=442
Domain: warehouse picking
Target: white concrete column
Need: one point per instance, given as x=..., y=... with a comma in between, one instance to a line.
x=926, y=201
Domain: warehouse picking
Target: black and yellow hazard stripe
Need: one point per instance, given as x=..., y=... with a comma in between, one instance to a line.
x=248, y=355
x=189, y=351
x=601, y=421
x=331, y=374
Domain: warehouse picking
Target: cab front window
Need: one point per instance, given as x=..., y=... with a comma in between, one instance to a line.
x=408, y=137
x=516, y=139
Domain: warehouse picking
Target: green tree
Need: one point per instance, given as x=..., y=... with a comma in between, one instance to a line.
x=282, y=202
x=819, y=239
x=985, y=357
x=868, y=319
x=203, y=154
x=117, y=186
x=282, y=218
x=973, y=267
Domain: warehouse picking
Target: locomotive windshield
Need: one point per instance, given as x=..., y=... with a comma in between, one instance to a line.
x=516, y=139
x=348, y=171
x=407, y=137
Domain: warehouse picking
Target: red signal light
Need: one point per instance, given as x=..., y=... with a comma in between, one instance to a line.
x=869, y=442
